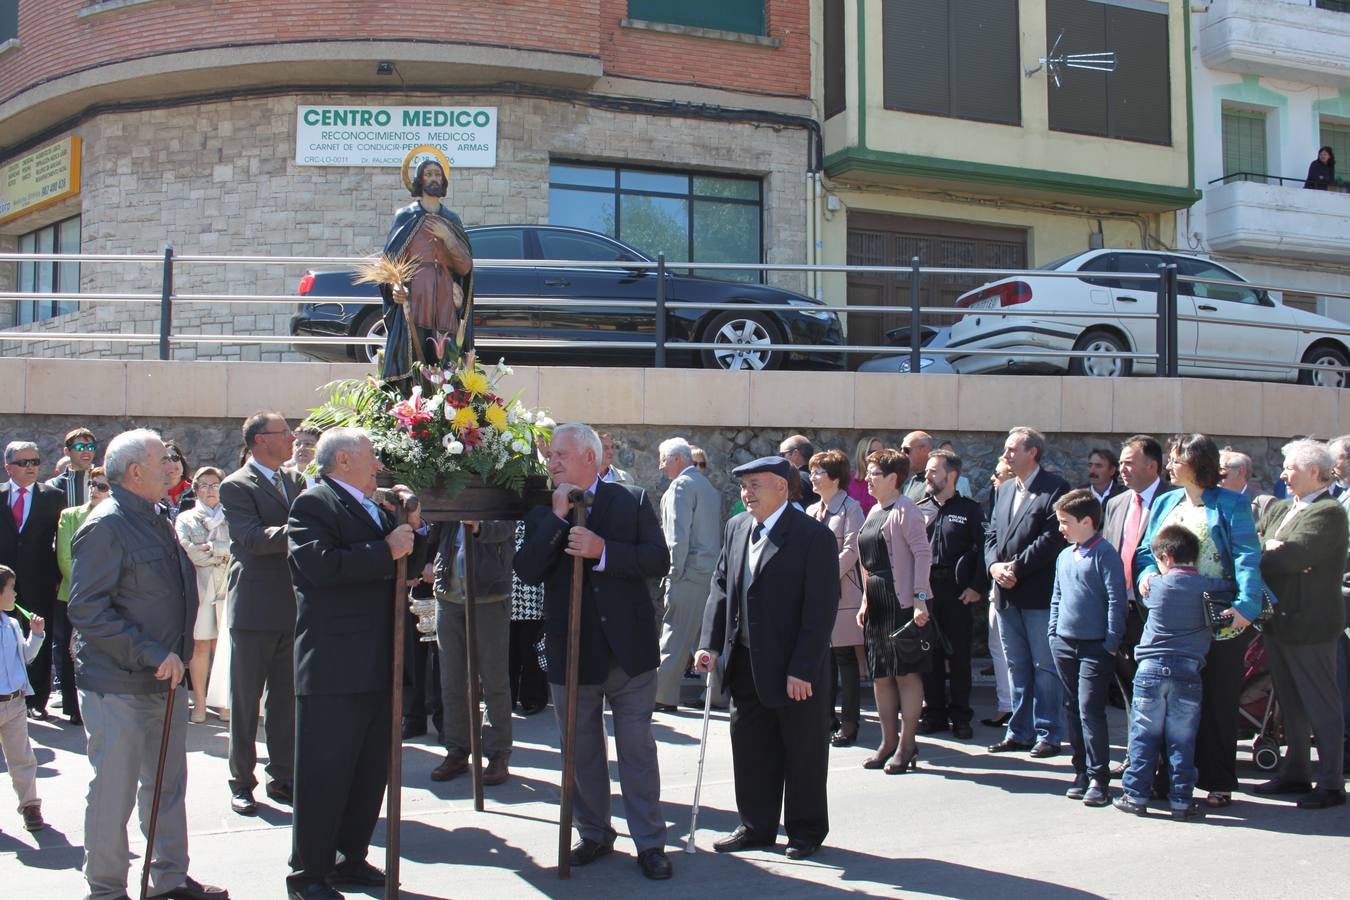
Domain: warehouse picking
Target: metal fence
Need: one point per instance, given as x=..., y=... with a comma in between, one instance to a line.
x=1166, y=358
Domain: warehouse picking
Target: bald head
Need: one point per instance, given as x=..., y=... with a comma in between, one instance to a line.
x=918, y=444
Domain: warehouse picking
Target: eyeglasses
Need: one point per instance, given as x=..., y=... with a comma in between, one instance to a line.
x=283, y=431
x=26, y=463
x=701, y=465
x=83, y=447
x=99, y=486
x=208, y=485
x=174, y=457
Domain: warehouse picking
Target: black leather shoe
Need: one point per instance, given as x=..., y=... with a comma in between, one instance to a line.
x=1282, y=786
x=655, y=864
x=801, y=851
x=931, y=726
x=532, y=708
x=280, y=792
x=962, y=731
x=1008, y=745
x=242, y=802
x=192, y=889
x=1045, y=750
x=998, y=721
x=587, y=851
x=315, y=890
x=413, y=728
x=1322, y=799
x=39, y=715
x=665, y=707
x=358, y=873
x=741, y=839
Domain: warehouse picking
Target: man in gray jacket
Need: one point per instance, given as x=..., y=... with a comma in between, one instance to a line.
x=691, y=518
x=133, y=601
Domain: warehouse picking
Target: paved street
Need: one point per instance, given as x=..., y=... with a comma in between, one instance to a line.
x=966, y=824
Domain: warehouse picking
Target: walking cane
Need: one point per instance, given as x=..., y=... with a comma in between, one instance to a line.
x=580, y=500
x=471, y=663
x=154, y=800
x=689, y=844
x=393, y=814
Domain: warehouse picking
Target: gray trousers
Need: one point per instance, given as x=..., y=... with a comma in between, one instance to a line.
x=493, y=619
x=680, y=626
x=1310, y=702
x=124, y=732
x=630, y=700
x=258, y=659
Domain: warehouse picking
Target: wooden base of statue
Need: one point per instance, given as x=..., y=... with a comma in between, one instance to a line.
x=477, y=502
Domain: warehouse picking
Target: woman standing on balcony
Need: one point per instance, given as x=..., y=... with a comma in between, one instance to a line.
x=1321, y=171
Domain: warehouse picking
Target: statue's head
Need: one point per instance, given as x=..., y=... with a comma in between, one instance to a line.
x=430, y=179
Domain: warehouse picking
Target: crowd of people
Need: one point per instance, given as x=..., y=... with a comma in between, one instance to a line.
x=1161, y=579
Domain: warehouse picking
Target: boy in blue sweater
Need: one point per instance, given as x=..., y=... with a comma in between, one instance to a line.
x=1087, y=621
x=1165, y=713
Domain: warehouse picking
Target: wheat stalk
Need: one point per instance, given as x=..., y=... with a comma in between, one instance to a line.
x=387, y=270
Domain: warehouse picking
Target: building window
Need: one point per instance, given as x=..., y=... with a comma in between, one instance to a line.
x=9, y=20
x=835, y=68
x=688, y=216
x=1133, y=103
x=1336, y=135
x=49, y=277
x=1244, y=143
x=955, y=58
x=744, y=16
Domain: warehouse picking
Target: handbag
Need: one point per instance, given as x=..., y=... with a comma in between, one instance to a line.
x=1218, y=602
x=913, y=644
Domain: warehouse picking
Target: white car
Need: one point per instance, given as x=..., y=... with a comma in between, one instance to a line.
x=1272, y=332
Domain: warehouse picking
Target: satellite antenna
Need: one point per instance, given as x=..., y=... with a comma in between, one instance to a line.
x=1104, y=61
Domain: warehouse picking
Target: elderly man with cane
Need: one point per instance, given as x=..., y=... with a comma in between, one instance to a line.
x=770, y=612
x=620, y=547
x=133, y=600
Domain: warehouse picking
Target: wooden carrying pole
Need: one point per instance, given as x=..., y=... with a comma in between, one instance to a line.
x=394, y=799
x=471, y=663
x=159, y=786
x=579, y=502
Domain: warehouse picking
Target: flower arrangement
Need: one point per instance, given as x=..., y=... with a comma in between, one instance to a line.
x=452, y=426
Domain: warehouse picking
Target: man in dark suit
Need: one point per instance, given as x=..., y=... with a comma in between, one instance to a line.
x=621, y=548
x=257, y=500
x=1020, y=550
x=28, y=546
x=343, y=550
x=1102, y=470
x=798, y=450
x=774, y=597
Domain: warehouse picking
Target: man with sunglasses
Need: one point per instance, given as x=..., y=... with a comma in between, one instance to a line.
x=81, y=446
x=28, y=546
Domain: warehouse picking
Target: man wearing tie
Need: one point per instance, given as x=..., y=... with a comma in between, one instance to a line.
x=257, y=500
x=1022, y=544
x=343, y=553
x=770, y=612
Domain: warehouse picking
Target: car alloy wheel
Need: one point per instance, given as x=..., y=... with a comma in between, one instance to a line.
x=375, y=329
x=742, y=341
x=1329, y=362
x=1098, y=341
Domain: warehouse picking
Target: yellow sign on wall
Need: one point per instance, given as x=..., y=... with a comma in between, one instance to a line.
x=40, y=179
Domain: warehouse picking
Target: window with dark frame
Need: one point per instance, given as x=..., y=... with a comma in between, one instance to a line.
x=1133, y=103
x=955, y=58
x=1244, y=142
x=9, y=20
x=742, y=16
x=48, y=276
x=1336, y=135
x=834, y=65
x=689, y=216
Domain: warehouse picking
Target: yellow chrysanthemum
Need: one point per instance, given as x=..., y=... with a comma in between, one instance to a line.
x=496, y=416
x=475, y=383
x=465, y=417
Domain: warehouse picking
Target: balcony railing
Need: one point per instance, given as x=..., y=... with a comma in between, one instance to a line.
x=1339, y=185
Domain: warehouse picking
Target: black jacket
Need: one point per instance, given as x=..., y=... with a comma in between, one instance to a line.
x=343, y=575
x=791, y=602
x=1030, y=540
x=956, y=532
x=618, y=618
x=1320, y=175
x=32, y=553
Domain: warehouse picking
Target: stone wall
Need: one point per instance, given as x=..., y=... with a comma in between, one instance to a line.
x=220, y=178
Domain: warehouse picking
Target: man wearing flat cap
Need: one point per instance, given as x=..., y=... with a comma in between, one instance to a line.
x=767, y=628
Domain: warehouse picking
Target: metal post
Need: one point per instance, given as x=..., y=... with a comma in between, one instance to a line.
x=660, y=311
x=1161, y=322
x=1171, y=277
x=166, y=303
x=914, y=328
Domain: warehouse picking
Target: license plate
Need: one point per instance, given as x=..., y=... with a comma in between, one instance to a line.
x=986, y=303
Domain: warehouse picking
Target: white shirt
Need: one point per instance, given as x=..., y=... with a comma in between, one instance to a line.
x=1022, y=489
x=1147, y=494
x=27, y=502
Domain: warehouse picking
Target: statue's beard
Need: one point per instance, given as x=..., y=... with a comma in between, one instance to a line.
x=435, y=189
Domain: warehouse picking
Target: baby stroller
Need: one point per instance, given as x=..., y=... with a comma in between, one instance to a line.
x=1258, y=712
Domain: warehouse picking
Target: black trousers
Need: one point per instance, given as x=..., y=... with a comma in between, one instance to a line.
x=421, y=675
x=1125, y=664
x=59, y=633
x=846, y=676
x=259, y=658
x=781, y=759
x=946, y=689
x=1216, y=739
x=529, y=683
x=341, y=771
x=40, y=669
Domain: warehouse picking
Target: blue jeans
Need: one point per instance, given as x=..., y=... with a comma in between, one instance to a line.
x=1164, y=717
x=1086, y=670
x=1037, y=695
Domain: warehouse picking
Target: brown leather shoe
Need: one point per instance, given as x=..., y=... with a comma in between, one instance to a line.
x=32, y=817
x=451, y=767
x=496, y=771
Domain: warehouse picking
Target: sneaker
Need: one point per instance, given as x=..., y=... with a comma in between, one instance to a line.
x=1126, y=805
x=1096, y=796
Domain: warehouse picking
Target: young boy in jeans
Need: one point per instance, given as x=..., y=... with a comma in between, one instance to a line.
x=1166, y=710
x=16, y=653
x=1087, y=621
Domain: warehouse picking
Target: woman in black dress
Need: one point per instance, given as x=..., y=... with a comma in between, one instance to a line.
x=896, y=557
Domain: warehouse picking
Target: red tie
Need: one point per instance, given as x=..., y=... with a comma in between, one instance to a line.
x=1130, y=539
x=17, y=509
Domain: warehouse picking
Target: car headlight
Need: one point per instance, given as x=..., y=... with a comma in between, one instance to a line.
x=811, y=309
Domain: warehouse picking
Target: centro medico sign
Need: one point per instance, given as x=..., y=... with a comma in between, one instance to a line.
x=383, y=135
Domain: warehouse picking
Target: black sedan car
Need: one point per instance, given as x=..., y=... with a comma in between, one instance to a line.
x=598, y=307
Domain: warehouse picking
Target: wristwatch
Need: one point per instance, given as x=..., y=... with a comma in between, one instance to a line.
x=921, y=596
